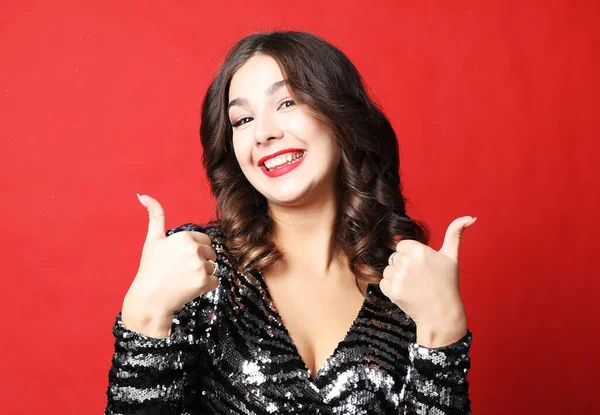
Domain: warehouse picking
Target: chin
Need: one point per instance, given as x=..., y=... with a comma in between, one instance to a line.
x=286, y=199
x=283, y=200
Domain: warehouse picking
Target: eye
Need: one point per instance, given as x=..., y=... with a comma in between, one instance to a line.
x=285, y=104
x=288, y=101
x=241, y=122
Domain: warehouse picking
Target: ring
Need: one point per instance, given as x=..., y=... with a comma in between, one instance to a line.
x=214, y=267
x=391, y=258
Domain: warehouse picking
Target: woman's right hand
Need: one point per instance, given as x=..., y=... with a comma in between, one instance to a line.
x=172, y=272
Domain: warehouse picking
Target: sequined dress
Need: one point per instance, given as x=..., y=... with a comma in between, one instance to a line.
x=229, y=353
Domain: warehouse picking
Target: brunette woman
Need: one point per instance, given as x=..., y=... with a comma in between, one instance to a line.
x=312, y=291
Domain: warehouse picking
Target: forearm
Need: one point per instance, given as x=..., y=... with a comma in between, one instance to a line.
x=148, y=322
x=437, y=378
x=444, y=332
x=153, y=375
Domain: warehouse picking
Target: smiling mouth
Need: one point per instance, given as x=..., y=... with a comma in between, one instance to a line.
x=283, y=160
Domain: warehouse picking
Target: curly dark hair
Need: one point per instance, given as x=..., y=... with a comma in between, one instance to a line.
x=372, y=216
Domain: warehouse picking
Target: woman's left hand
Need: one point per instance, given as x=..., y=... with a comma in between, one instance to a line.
x=423, y=282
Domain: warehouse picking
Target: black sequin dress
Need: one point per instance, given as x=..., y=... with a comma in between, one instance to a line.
x=229, y=353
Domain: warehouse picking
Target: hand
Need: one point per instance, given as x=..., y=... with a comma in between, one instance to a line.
x=423, y=282
x=172, y=271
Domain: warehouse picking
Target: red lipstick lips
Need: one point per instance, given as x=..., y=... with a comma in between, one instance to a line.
x=280, y=171
x=270, y=156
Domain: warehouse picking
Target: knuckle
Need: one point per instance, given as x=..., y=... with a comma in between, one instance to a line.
x=399, y=280
x=418, y=251
x=212, y=254
x=197, y=264
x=389, y=271
x=186, y=236
x=210, y=284
x=155, y=215
x=191, y=248
x=202, y=252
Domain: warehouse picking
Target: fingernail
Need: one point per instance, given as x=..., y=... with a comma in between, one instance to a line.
x=142, y=201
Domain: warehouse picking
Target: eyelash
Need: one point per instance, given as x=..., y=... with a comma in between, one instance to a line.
x=239, y=122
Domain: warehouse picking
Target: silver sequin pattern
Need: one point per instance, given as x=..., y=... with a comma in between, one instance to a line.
x=229, y=353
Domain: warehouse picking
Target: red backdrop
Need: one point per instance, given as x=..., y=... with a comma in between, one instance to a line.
x=495, y=105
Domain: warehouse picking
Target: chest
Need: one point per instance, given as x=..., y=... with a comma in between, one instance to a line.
x=317, y=316
x=248, y=345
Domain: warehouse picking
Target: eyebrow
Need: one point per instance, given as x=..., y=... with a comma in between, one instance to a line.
x=268, y=92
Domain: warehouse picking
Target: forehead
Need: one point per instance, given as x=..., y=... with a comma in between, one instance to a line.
x=254, y=77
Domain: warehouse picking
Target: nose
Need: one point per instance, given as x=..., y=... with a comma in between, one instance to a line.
x=266, y=128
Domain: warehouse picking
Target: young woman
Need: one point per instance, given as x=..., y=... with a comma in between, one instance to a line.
x=313, y=292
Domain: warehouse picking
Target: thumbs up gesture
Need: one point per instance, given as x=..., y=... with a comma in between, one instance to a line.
x=423, y=282
x=172, y=272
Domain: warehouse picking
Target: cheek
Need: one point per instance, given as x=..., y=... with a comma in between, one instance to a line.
x=297, y=124
x=327, y=142
x=242, y=151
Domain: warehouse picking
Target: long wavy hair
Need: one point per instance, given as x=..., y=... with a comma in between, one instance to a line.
x=372, y=217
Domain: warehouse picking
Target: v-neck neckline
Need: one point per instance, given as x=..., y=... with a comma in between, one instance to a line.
x=291, y=340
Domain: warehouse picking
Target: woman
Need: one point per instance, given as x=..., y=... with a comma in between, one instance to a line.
x=313, y=292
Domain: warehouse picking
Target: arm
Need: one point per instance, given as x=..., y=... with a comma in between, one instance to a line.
x=152, y=375
x=437, y=379
x=155, y=375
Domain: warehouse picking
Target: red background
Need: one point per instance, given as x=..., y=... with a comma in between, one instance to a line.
x=495, y=105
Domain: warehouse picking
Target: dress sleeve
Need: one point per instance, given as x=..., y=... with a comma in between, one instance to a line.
x=158, y=376
x=437, y=379
x=155, y=376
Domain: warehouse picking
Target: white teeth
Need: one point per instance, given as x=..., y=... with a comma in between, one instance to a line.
x=282, y=159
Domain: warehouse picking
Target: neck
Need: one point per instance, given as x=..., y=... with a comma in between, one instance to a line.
x=305, y=235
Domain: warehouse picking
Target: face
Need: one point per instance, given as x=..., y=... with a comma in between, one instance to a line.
x=266, y=121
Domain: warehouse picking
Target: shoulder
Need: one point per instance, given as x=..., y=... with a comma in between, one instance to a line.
x=212, y=229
